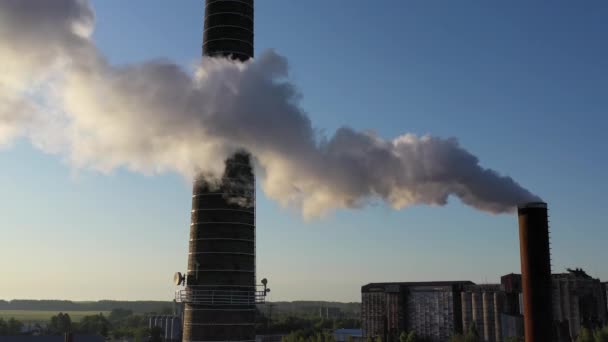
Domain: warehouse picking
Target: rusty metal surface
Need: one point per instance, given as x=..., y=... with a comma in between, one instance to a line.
x=536, y=272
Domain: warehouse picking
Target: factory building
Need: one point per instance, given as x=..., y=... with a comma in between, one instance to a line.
x=432, y=309
x=578, y=301
x=170, y=326
x=512, y=319
x=482, y=306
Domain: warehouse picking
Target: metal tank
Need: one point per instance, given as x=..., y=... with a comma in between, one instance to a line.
x=221, y=293
x=536, y=271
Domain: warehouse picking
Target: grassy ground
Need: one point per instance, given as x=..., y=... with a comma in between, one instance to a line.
x=45, y=316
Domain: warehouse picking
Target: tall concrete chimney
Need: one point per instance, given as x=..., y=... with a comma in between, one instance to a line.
x=536, y=271
x=220, y=296
x=229, y=29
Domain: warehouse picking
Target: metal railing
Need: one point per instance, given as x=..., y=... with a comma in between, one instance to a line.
x=214, y=296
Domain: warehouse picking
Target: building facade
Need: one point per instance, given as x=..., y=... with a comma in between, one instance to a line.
x=431, y=309
x=482, y=306
x=605, y=288
x=171, y=326
x=512, y=319
x=578, y=301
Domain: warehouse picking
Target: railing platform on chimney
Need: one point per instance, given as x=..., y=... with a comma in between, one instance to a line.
x=212, y=295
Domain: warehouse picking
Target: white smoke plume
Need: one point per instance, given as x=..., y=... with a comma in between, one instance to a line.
x=58, y=91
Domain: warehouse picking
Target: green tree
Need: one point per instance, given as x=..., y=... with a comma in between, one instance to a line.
x=10, y=327
x=3, y=327
x=119, y=315
x=457, y=338
x=514, y=339
x=585, y=335
x=411, y=337
x=403, y=336
x=95, y=324
x=60, y=324
x=156, y=334
x=601, y=335
x=140, y=333
x=166, y=310
x=379, y=339
x=14, y=326
x=472, y=335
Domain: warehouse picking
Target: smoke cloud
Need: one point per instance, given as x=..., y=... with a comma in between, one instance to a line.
x=58, y=91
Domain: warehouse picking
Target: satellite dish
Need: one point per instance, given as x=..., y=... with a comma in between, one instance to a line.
x=264, y=281
x=179, y=278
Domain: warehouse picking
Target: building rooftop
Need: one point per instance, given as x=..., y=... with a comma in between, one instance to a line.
x=369, y=286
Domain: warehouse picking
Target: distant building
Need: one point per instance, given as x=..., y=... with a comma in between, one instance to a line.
x=348, y=335
x=482, y=306
x=170, y=325
x=432, y=309
x=578, y=301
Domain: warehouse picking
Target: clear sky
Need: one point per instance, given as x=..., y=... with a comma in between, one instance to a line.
x=522, y=85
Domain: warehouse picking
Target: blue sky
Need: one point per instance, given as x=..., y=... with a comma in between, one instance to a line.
x=522, y=85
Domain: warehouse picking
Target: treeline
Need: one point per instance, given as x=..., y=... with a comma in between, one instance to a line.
x=310, y=308
x=590, y=335
x=102, y=305
x=306, y=326
x=296, y=308
x=119, y=324
x=10, y=327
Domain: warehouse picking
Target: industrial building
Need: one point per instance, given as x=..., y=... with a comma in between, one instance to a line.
x=220, y=293
x=432, y=309
x=512, y=319
x=482, y=306
x=170, y=325
x=605, y=287
x=578, y=301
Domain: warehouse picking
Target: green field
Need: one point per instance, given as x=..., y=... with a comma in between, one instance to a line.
x=44, y=316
